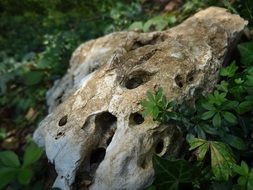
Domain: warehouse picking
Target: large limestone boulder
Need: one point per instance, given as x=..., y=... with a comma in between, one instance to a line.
x=95, y=129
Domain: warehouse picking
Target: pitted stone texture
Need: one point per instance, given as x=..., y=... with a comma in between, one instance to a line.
x=97, y=129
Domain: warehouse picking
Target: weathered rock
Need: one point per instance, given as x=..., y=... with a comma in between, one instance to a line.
x=97, y=129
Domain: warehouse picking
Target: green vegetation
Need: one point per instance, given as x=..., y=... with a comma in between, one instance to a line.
x=218, y=129
x=11, y=170
x=37, y=38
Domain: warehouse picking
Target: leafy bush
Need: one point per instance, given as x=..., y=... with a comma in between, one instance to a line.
x=12, y=170
x=218, y=129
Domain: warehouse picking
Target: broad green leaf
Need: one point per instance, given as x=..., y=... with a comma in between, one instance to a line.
x=158, y=23
x=209, y=130
x=246, y=52
x=155, y=112
x=207, y=115
x=249, y=70
x=9, y=158
x=208, y=106
x=33, y=77
x=216, y=120
x=217, y=98
x=202, y=150
x=171, y=173
x=249, y=80
x=230, y=105
x=136, y=26
x=242, y=181
x=159, y=95
x=7, y=174
x=195, y=142
x=229, y=71
x=244, y=107
x=222, y=160
x=24, y=176
x=223, y=86
x=239, y=81
x=201, y=145
x=32, y=154
x=150, y=96
x=235, y=142
x=243, y=169
x=229, y=117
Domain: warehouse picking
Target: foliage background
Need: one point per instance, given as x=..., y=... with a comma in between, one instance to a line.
x=37, y=38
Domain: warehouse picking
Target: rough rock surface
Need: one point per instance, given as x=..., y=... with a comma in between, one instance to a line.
x=97, y=131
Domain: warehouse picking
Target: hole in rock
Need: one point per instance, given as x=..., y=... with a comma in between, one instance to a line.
x=144, y=164
x=109, y=140
x=59, y=135
x=136, y=118
x=159, y=147
x=106, y=121
x=190, y=76
x=59, y=99
x=134, y=82
x=136, y=79
x=63, y=120
x=140, y=43
x=179, y=81
x=97, y=155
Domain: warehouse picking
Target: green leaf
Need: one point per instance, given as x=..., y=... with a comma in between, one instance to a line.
x=217, y=120
x=150, y=96
x=136, y=26
x=159, y=95
x=242, y=181
x=171, y=173
x=217, y=98
x=33, y=77
x=158, y=23
x=7, y=175
x=222, y=160
x=249, y=80
x=229, y=71
x=230, y=105
x=24, y=176
x=223, y=86
x=155, y=112
x=207, y=115
x=245, y=107
x=229, y=117
x=195, y=142
x=235, y=142
x=202, y=150
x=246, y=52
x=242, y=170
x=209, y=130
x=9, y=158
x=32, y=154
x=239, y=81
x=202, y=145
x=208, y=106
